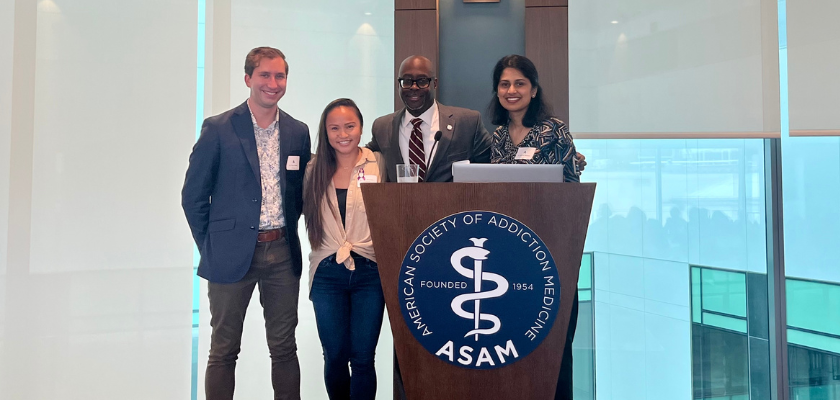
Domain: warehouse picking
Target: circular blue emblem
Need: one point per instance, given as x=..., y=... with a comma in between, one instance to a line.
x=479, y=289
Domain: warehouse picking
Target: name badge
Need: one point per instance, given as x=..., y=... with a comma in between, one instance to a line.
x=526, y=153
x=293, y=163
x=365, y=179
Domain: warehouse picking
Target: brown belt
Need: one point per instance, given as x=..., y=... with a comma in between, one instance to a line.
x=271, y=235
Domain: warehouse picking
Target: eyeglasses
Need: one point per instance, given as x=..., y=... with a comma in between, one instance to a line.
x=407, y=83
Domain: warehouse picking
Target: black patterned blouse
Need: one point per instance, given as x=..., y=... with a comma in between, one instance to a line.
x=550, y=138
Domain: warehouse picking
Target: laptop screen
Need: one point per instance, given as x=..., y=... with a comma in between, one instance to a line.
x=464, y=172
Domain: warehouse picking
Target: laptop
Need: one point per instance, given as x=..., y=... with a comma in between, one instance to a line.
x=466, y=172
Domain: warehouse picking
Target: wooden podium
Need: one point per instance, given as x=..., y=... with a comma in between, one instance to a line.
x=557, y=212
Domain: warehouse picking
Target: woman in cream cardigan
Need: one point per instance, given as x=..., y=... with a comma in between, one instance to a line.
x=344, y=280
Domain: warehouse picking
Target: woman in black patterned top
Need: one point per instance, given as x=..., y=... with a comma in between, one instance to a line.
x=528, y=134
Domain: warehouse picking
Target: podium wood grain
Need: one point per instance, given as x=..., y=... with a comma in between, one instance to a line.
x=557, y=212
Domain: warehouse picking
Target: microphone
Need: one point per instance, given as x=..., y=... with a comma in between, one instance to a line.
x=438, y=134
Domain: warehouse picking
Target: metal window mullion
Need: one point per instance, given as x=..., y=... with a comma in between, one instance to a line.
x=776, y=264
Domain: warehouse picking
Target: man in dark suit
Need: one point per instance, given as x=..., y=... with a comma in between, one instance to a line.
x=243, y=197
x=408, y=135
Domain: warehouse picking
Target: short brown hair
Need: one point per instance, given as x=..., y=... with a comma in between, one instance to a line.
x=252, y=60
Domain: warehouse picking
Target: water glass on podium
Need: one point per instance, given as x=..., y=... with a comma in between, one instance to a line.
x=408, y=173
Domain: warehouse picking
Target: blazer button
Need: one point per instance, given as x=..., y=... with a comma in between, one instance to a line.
x=252, y=227
x=255, y=200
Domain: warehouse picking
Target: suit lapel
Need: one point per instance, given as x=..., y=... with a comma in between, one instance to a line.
x=395, y=156
x=445, y=120
x=285, y=149
x=244, y=128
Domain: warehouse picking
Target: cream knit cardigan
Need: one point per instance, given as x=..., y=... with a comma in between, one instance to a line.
x=355, y=236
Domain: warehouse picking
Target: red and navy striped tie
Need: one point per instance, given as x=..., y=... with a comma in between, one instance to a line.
x=416, y=154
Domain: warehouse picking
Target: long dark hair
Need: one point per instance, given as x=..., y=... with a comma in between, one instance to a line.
x=538, y=109
x=323, y=169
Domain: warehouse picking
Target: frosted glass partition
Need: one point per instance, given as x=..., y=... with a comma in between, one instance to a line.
x=662, y=206
x=813, y=37
x=674, y=67
x=7, y=27
x=96, y=307
x=335, y=48
x=7, y=31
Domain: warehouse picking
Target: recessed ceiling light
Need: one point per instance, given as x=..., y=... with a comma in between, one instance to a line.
x=614, y=22
x=368, y=13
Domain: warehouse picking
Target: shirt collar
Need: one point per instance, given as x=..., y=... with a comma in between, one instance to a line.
x=426, y=116
x=367, y=156
x=254, y=119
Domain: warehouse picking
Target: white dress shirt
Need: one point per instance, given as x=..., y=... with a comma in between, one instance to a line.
x=429, y=126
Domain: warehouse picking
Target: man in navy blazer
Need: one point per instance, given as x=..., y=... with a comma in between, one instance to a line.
x=242, y=197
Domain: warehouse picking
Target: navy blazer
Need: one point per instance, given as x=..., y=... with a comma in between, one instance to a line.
x=222, y=192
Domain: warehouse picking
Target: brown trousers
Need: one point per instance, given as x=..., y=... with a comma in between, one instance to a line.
x=279, y=285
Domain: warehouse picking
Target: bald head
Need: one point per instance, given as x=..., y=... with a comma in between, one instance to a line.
x=418, y=62
x=418, y=73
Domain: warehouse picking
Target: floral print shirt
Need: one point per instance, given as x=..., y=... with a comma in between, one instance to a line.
x=268, y=150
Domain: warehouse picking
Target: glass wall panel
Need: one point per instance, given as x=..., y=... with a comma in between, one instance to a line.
x=96, y=306
x=662, y=206
x=724, y=294
x=811, y=187
x=811, y=173
x=334, y=49
x=686, y=200
x=813, y=373
x=730, y=357
x=583, y=346
x=642, y=328
x=808, y=325
x=813, y=334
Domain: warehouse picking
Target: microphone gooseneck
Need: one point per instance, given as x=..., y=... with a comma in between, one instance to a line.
x=438, y=135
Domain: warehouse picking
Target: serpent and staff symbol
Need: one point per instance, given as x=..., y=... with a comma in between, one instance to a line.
x=478, y=254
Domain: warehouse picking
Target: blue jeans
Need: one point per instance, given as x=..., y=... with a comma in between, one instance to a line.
x=348, y=312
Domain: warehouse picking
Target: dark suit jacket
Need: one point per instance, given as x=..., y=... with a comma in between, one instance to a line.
x=467, y=140
x=222, y=192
